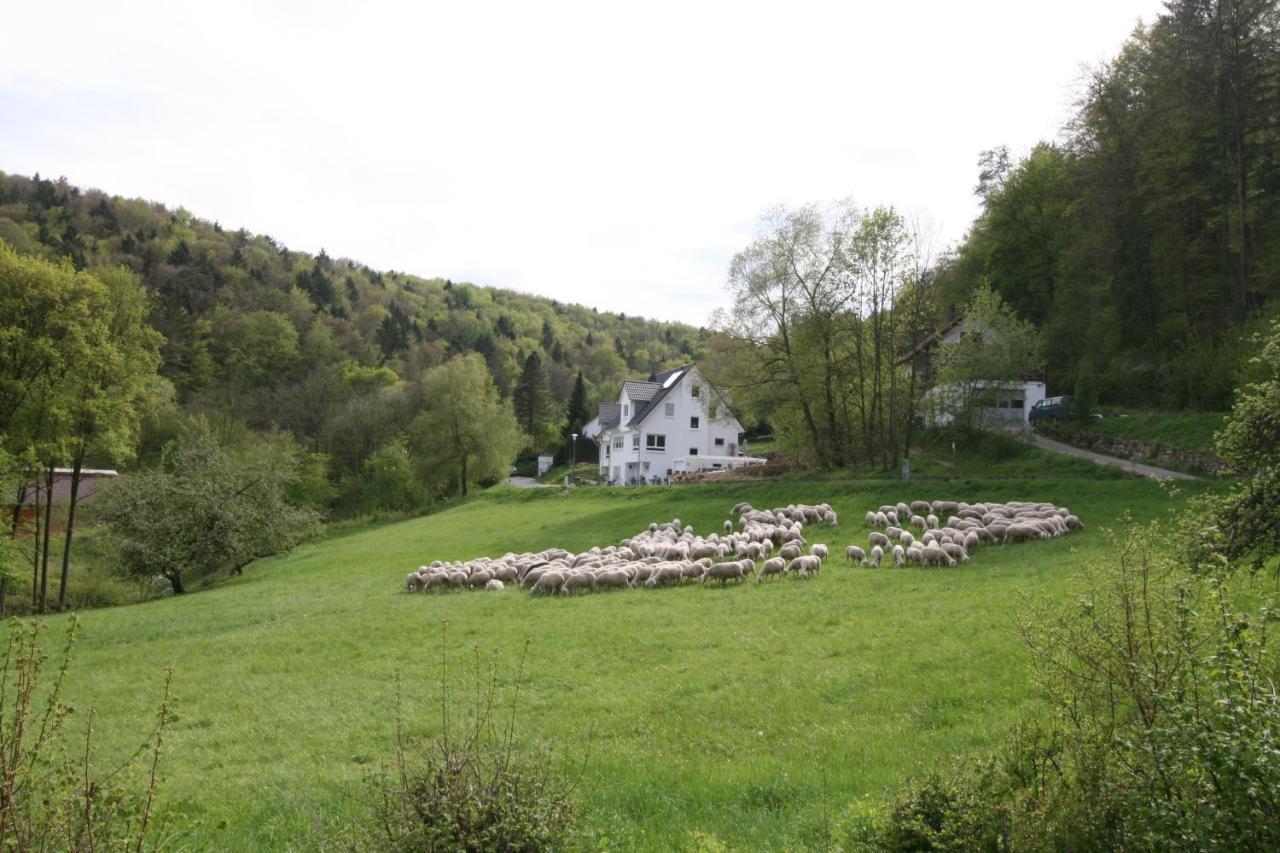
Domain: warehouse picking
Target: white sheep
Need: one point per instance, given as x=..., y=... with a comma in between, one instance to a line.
x=899, y=556
x=879, y=539
x=853, y=552
x=877, y=554
x=819, y=551
x=494, y=585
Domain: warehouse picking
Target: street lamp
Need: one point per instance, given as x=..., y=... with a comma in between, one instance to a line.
x=573, y=452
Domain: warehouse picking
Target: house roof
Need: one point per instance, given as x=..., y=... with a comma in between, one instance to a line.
x=610, y=415
x=664, y=382
x=933, y=338
x=639, y=390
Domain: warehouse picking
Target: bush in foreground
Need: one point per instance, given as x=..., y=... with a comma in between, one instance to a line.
x=468, y=788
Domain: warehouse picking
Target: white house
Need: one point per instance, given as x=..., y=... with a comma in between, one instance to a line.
x=999, y=403
x=672, y=422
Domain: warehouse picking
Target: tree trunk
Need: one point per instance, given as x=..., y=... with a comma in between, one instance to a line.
x=71, y=524
x=4, y=594
x=464, y=474
x=175, y=580
x=17, y=511
x=35, y=559
x=48, y=523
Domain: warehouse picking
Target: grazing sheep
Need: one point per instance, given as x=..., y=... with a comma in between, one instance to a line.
x=879, y=539
x=771, y=566
x=906, y=539
x=899, y=556
x=803, y=566
x=877, y=554
x=582, y=580
x=893, y=532
x=548, y=583
x=871, y=519
x=819, y=551
x=853, y=552
x=919, y=522
x=932, y=521
x=790, y=551
x=414, y=582
x=494, y=585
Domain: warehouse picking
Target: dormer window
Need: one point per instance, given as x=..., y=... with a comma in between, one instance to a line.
x=626, y=409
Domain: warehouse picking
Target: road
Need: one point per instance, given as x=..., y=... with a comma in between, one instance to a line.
x=526, y=483
x=1132, y=467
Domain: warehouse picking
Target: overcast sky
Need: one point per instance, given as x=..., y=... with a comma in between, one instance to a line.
x=615, y=155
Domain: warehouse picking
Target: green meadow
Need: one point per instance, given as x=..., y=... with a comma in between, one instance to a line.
x=747, y=712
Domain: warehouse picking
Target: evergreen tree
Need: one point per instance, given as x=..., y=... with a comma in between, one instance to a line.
x=532, y=396
x=578, y=411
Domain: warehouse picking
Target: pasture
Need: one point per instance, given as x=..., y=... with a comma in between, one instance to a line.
x=747, y=712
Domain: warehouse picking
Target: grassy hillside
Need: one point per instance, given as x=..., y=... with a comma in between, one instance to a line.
x=744, y=712
x=1185, y=430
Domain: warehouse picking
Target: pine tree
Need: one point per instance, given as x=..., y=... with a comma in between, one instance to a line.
x=578, y=411
x=532, y=397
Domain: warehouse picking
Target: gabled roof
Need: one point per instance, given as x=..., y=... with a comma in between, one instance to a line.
x=640, y=391
x=932, y=339
x=610, y=415
x=664, y=382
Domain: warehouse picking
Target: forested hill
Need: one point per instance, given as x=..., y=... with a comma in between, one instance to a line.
x=263, y=333
x=1145, y=243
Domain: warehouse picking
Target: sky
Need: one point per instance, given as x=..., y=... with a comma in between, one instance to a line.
x=615, y=155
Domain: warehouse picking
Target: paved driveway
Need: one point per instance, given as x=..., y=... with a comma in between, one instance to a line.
x=1132, y=467
x=526, y=483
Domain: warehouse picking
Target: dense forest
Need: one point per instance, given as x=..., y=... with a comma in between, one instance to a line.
x=1145, y=243
x=325, y=348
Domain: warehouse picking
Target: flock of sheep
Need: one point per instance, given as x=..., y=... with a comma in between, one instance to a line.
x=662, y=555
x=671, y=553
x=968, y=526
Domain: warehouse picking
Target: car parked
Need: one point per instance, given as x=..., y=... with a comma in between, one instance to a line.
x=1052, y=408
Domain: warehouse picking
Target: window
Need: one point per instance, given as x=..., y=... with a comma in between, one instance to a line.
x=655, y=442
x=626, y=409
x=715, y=410
x=693, y=451
x=635, y=441
x=695, y=390
x=719, y=442
x=669, y=410
x=695, y=423
x=617, y=443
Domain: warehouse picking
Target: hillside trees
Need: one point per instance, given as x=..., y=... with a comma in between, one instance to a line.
x=1145, y=243
x=263, y=334
x=466, y=434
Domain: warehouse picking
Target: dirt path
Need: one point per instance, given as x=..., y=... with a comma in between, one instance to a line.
x=1132, y=467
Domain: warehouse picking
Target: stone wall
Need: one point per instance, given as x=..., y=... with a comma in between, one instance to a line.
x=1136, y=450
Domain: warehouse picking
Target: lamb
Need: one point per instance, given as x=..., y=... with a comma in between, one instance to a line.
x=853, y=552
x=879, y=539
x=877, y=554
x=819, y=551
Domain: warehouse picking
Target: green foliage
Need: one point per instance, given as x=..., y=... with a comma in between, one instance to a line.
x=534, y=409
x=1148, y=240
x=205, y=509
x=1242, y=525
x=824, y=303
x=996, y=346
x=52, y=797
x=467, y=434
x=390, y=482
x=1163, y=726
x=469, y=787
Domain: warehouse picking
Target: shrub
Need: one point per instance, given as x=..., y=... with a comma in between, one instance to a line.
x=468, y=788
x=51, y=798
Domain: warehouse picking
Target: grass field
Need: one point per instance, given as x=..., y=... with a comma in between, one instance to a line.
x=746, y=712
x=1186, y=430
